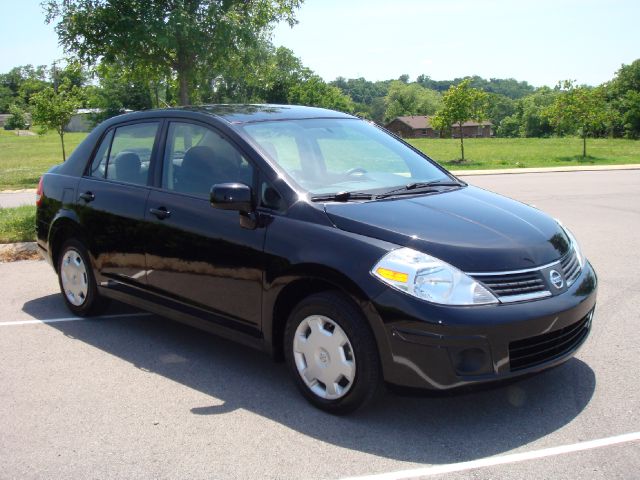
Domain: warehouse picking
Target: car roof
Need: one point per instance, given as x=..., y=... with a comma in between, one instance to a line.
x=244, y=113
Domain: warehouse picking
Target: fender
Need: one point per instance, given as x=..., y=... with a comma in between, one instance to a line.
x=301, y=280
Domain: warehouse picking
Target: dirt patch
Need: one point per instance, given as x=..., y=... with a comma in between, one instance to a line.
x=12, y=252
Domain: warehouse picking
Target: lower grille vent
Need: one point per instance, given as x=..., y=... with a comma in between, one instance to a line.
x=533, y=351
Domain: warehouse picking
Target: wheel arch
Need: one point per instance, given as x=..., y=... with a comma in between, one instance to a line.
x=289, y=289
x=64, y=226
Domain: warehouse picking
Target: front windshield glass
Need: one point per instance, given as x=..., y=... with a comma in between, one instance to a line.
x=326, y=156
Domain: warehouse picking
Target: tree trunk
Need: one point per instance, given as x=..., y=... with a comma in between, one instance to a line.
x=461, y=141
x=183, y=89
x=584, y=146
x=64, y=156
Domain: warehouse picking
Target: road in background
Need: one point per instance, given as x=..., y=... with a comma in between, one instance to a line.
x=143, y=397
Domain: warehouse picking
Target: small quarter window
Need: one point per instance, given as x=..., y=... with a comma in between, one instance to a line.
x=99, y=164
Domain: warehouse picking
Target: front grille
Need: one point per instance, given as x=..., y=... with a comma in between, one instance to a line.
x=533, y=351
x=571, y=267
x=513, y=283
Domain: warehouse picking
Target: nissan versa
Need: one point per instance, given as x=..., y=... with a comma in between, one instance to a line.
x=319, y=238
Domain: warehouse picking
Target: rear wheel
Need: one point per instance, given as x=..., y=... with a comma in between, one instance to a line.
x=77, y=283
x=331, y=353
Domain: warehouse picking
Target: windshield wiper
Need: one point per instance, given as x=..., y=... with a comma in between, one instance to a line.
x=409, y=188
x=341, y=197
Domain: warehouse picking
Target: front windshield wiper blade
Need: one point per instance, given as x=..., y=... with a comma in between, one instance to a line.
x=341, y=197
x=410, y=187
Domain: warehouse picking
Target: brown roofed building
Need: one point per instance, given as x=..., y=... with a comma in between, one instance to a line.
x=419, y=126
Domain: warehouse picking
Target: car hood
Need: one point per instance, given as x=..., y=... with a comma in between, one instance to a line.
x=470, y=228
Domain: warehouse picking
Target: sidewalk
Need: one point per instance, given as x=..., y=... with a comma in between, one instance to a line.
x=16, y=198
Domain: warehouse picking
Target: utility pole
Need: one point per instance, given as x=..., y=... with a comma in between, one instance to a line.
x=54, y=74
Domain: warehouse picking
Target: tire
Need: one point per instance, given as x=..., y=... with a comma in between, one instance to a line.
x=332, y=354
x=77, y=282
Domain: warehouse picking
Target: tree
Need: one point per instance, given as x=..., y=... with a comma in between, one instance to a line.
x=624, y=93
x=17, y=85
x=460, y=104
x=410, y=99
x=120, y=89
x=582, y=110
x=184, y=38
x=53, y=108
x=17, y=120
x=533, y=121
x=316, y=93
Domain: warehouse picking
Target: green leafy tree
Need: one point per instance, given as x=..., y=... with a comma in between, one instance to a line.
x=6, y=98
x=184, y=38
x=120, y=88
x=580, y=109
x=533, y=120
x=509, y=127
x=17, y=85
x=499, y=107
x=460, y=104
x=410, y=99
x=52, y=109
x=17, y=120
x=316, y=93
x=624, y=95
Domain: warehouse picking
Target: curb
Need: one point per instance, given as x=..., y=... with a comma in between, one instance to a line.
x=515, y=171
x=12, y=252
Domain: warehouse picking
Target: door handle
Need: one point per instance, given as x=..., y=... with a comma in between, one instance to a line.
x=88, y=196
x=161, y=212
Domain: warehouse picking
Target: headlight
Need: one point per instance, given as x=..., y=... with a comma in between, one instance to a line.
x=430, y=279
x=574, y=244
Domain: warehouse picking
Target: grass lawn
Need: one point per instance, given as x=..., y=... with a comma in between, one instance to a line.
x=24, y=158
x=18, y=224
x=487, y=153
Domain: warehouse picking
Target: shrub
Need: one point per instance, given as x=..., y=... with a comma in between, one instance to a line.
x=17, y=120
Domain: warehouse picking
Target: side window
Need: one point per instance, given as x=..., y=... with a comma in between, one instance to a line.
x=197, y=157
x=99, y=164
x=130, y=153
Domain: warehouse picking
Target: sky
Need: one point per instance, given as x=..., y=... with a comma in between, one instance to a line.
x=540, y=41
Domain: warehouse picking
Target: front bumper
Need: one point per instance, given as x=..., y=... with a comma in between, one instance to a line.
x=442, y=347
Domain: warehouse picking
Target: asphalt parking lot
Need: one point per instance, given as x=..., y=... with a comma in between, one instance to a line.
x=132, y=395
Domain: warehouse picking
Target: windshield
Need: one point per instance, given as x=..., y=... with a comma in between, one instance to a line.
x=338, y=155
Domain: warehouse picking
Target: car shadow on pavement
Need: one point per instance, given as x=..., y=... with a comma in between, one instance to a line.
x=441, y=429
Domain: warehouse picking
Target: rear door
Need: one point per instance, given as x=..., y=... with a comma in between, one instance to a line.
x=197, y=255
x=111, y=202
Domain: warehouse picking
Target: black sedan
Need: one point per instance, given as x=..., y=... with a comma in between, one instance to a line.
x=319, y=238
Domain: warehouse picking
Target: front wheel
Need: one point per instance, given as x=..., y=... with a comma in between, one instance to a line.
x=332, y=354
x=77, y=283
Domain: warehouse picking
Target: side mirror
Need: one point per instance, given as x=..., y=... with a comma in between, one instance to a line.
x=231, y=196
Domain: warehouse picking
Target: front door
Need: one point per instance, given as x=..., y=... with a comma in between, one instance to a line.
x=197, y=255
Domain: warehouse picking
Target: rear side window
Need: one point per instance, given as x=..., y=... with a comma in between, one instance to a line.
x=125, y=154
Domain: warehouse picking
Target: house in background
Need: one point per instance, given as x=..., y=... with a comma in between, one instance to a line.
x=419, y=126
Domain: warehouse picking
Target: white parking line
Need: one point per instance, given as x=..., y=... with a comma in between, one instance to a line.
x=501, y=460
x=72, y=319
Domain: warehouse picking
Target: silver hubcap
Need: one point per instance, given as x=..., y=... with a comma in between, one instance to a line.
x=75, y=282
x=324, y=357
